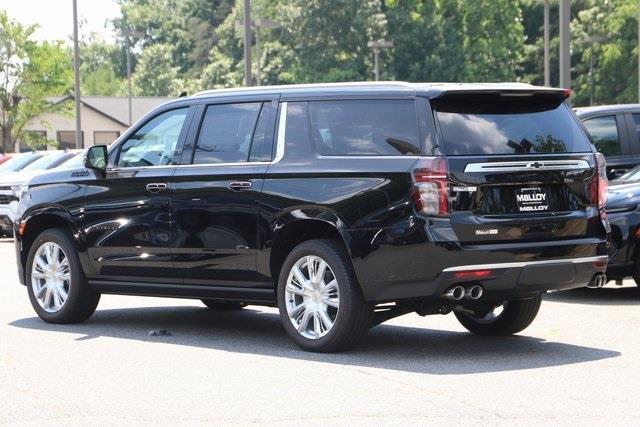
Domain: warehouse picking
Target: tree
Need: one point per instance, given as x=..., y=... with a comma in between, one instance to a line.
x=605, y=32
x=102, y=70
x=188, y=26
x=30, y=72
x=456, y=40
x=328, y=38
x=155, y=74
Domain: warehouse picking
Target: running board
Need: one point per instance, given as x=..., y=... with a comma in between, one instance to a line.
x=261, y=296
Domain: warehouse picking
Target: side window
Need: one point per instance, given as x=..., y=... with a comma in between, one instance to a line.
x=226, y=132
x=154, y=144
x=297, y=142
x=262, y=144
x=636, y=120
x=365, y=127
x=604, y=133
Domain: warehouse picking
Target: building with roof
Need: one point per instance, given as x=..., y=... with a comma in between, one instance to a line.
x=103, y=119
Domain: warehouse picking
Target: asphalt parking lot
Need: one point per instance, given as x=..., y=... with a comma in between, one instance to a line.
x=578, y=363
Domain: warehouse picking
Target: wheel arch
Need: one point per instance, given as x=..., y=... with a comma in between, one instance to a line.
x=34, y=222
x=291, y=233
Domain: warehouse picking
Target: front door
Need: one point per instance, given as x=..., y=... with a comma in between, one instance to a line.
x=215, y=198
x=127, y=219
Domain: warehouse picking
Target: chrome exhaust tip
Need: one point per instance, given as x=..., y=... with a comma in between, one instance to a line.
x=599, y=280
x=474, y=292
x=455, y=293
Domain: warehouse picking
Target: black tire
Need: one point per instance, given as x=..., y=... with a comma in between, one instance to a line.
x=353, y=316
x=81, y=301
x=223, y=305
x=636, y=271
x=515, y=317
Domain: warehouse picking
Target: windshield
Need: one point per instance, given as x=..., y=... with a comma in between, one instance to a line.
x=46, y=162
x=18, y=162
x=632, y=175
x=76, y=161
x=479, y=124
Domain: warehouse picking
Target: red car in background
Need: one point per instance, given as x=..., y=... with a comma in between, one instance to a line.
x=4, y=158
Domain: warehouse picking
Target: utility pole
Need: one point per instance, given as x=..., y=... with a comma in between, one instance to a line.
x=565, y=53
x=76, y=72
x=377, y=45
x=257, y=24
x=247, y=43
x=547, y=69
x=128, y=49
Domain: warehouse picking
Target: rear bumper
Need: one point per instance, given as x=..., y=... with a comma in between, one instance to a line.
x=392, y=266
x=513, y=280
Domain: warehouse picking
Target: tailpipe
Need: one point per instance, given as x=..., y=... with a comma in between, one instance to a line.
x=474, y=292
x=599, y=280
x=455, y=293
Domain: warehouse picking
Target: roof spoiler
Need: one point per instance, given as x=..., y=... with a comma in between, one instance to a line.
x=564, y=93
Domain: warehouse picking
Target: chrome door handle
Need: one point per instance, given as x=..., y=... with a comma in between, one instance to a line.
x=156, y=187
x=239, y=185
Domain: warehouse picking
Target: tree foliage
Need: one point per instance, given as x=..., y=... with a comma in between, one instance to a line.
x=435, y=40
x=29, y=73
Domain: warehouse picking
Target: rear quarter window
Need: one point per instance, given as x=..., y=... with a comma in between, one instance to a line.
x=491, y=124
x=365, y=127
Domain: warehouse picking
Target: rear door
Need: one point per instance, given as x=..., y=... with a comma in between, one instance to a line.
x=521, y=167
x=216, y=190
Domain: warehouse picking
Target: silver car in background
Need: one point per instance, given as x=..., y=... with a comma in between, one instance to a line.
x=14, y=175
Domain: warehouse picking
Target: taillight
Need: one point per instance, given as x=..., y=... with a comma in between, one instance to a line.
x=599, y=184
x=431, y=186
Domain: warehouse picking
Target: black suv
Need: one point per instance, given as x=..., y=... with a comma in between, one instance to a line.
x=343, y=205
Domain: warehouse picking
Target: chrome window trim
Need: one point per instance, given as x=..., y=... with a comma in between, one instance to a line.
x=527, y=166
x=412, y=157
x=520, y=264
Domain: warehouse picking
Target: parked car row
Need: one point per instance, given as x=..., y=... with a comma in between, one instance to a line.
x=16, y=170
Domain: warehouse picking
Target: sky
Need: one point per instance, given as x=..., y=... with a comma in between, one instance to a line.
x=55, y=17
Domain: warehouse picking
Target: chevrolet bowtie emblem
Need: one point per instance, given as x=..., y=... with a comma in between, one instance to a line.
x=535, y=165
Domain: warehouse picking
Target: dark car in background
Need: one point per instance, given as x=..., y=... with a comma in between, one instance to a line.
x=615, y=131
x=344, y=205
x=623, y=208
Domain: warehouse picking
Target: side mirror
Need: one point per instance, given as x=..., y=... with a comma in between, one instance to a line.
x=96, y=158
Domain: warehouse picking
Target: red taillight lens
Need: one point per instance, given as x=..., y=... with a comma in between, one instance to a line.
x=599, y=184
x=431, y=186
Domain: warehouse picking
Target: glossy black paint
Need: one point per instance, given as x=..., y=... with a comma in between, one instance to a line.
x=623, y=207
x=201, y=237
x=629, y=143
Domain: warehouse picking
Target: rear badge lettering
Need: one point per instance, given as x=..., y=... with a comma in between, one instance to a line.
x=487, y=232
x=464, y=189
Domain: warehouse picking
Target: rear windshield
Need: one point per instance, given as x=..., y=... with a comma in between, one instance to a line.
x=499, y=124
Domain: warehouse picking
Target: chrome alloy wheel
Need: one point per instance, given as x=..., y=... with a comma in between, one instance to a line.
x=50, y=277
x=312, y=297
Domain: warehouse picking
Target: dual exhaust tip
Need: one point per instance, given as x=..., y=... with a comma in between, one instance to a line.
x=599, y=280
x=458, y=292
